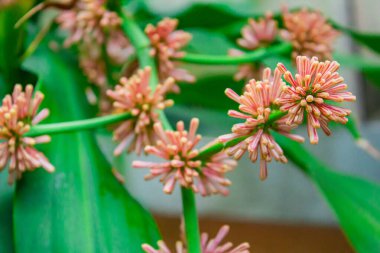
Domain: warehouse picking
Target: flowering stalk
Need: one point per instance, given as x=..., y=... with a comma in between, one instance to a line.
x=142, y=46
x=191, y=220
x=219, y=146
x=253, y=56
x=78, y=125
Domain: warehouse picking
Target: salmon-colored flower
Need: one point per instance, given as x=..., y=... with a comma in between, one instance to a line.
x=86, y=22
x=92, y=27
x=178, y=150
x=18, y=113
x=166, y=45
x=134, y=95
x=309, y=32
x=257, y=33
x=211, y=178
x=255, y=107
x=213, y=245
x=311, y=89
x=246, y=71
x=6, y=3
x=163, y=248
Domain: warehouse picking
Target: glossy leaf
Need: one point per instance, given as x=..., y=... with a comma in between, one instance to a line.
x=6, y=226
x=370, y=40
x=369, y=67
x=207, y=15
x=354, y=200
x=206, y=42
x=11, y=39
x=81, y=207
x=197, y=95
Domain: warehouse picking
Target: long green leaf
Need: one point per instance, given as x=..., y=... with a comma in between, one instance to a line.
x=370, y=40
x=354, y=200
x=369, y=67
x=11, y=39
x=81, y=207
x=6, y=229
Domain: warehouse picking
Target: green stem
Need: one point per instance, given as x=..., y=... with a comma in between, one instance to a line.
x=274, y=116
x=191, y=220
x=78, y=125
x=142, y=46
x=218, y=146
x=254, y=56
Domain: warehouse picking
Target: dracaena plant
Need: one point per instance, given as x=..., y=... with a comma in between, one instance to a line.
x=109, y=65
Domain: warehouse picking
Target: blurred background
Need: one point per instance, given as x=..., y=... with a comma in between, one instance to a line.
x=285, y=213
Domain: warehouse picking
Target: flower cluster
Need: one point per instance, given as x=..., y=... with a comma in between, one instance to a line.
x=258, y=33
x=18, y=113
x=315, y=84
x=256, y=105
x=166, y=44
x=134, y=95
x=213, y=245
x=177, y=148
x=6, y=3
x=92, y=27
x=309, y=32
x=271, y=104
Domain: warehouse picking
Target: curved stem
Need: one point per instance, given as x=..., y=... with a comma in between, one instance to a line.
x=254, y=56
x=219, y=146
x=71, y=126
x=142, y=45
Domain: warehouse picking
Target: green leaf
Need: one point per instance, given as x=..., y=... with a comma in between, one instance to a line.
x=354, y=200
x=196, y=95
x=12, y=39
x=368, y=67
x=206, y=15
x=207, y=42
x=81, y=207
x=370, y=40
x=6, y=201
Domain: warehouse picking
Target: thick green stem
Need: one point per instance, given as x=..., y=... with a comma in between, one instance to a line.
x=254, y=56
x=86, y=124
x=191, y=220
x=142, y=46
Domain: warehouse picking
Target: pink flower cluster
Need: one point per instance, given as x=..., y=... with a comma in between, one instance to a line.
x=255, y=107
x=213, y=245
x=18, y=113
x=134, y=95
x=6, y=3
x=314, y=89
x=177, y=148
x=309, y=32
x=166, y=44
x=93, y=27
x=258, y=33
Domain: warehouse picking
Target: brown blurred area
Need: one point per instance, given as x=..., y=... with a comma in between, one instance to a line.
x=266, y=237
